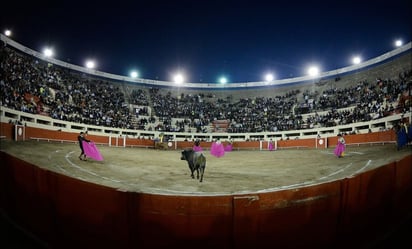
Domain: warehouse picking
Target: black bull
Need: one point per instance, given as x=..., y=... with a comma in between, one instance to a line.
x=196, y=161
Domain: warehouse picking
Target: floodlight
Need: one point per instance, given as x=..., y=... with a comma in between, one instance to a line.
x=134, y=74
x=90, y=64
x=313, y=71
x=223, y=80
x=356, y=60
x=48, y=52
x=269, y=77
x=7, y=32
x=178, y=78
x=398, y=43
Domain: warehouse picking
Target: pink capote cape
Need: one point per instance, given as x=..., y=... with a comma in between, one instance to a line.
x=228, y=147
x=340, y=148
x=91, y=150
x=217, y=149
x=197, y=148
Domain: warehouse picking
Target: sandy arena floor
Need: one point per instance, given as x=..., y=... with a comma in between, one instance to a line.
x=163, y=172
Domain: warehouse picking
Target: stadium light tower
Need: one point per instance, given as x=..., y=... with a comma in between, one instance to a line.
x=134, y=74
x=7, y=32
x=222, y=80
x=90, y=64
x=178, y=78
x=269, y=77
x=48, y=52
x=356, y=60
x=398, y=43
x=313, y=71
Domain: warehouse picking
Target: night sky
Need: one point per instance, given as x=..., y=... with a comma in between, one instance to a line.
x=241, y=40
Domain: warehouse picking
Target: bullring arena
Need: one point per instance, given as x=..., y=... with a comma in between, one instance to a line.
x=163, y=172
x=142, y=196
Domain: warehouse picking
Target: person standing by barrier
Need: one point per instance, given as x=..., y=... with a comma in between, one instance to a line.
x=217, y=149
x=271, y=146
x=229, y=146
x=81, y=138
x=340, y=147
x=196, y=146
x=401, y=135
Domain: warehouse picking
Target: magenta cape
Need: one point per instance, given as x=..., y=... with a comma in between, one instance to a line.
x=91, y=150
x=229, y=147
x=197, y=148
x=217, y=149
x=340, y=148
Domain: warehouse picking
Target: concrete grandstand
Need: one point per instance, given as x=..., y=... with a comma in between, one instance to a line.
x=50, y=100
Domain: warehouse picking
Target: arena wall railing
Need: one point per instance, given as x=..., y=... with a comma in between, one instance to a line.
x=139, y=138
x=29, y=128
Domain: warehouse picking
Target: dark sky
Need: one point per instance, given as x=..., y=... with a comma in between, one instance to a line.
x=241, y=40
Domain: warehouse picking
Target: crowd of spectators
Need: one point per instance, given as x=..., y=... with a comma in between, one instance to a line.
x=31, y=85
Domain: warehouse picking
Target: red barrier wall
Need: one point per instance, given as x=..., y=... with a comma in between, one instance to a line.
x=375, y=137
x=67, y=212
x=368, y=203
x=7, y=130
